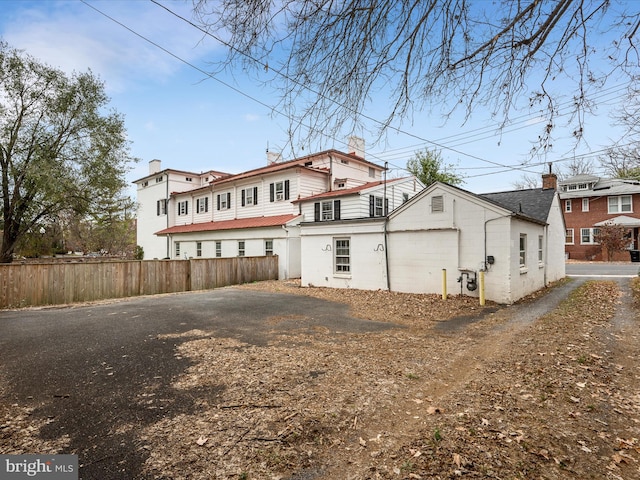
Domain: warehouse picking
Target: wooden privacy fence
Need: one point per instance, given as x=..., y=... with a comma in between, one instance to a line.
x=23, y=285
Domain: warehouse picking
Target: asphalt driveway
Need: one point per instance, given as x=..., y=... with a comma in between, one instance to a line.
x=84, y=368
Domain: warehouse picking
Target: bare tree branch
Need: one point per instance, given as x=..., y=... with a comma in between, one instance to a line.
x=332, y=58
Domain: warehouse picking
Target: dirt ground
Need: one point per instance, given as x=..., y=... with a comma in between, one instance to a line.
x=486, y=397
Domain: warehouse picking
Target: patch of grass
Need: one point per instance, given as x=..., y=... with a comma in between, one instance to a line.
x=437, y=436
x=406, y=466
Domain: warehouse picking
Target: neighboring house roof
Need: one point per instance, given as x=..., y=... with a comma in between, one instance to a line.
x=534, y=203
x=623, y=220
x=603, y=187
x=255, y=222
x=582, y=178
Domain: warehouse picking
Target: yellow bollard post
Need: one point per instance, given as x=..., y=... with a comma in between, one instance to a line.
x=482, y=288
x=444, y=283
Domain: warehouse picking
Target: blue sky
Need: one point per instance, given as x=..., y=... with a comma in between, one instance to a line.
x=176, y=113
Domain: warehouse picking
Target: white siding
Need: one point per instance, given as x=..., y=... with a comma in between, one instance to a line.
x=367, y=255
x=311, y=183
x=159, y=186
x=285, y=245
x=416, y=261
x=258, y=208
x=149, y=222
x=555, y=256
x=204, y=216
x=426, y=240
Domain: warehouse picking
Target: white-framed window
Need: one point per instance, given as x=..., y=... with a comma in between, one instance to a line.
x=161, y=207
x=568, y=236
x=159, y=179
x=268, y=248
x=405, y=197
x=620, y=204
x=249, y=196
x=588, y=236
x=177, y=249
x=189, y=179
x=202, y=205
x=342, y=257
x=279, y=191
x=241, y=250
x=218, y=248
x=183, y=207
x=378, y=206
x=223, y=201
x=567, y=205
x=198, y=249
x=540, y=249
x=523, y=250
x=585, y=204
x=372, y=172
x=326, y=211
x=437, y=203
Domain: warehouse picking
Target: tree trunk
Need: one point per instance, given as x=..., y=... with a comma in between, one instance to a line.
x=7, y=246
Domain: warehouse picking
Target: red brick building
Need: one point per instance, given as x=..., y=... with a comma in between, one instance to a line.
x=588, y=202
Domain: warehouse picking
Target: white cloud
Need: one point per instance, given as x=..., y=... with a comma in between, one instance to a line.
x=251, y=117
x=74, y=37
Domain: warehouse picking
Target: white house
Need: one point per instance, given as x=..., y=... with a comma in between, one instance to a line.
x=154, y=212
x=252, y=213
x=516, y=238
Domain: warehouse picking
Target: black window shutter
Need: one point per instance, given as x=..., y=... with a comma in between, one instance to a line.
x=243, y=198
x=158, y=207
x=218, y=202
x=271, y=192
x=336, y=209
x=186, y=207
x=228, y=199
x=372, y=206
x=286, y=189
x=206, y=204
x=386, y=206
x=255, y=195
x=316, y=211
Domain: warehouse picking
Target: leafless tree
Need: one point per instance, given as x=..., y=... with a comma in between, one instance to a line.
x=622, y=159
x=331, y=58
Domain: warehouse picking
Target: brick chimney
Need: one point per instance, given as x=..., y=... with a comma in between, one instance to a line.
x=549, y=180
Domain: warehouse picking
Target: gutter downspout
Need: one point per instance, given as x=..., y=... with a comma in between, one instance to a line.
x=167, y=213
x=484, y=260
x=545, y=253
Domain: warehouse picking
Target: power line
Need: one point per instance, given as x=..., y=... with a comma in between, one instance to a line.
x=479, y=132
x=284, y=75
